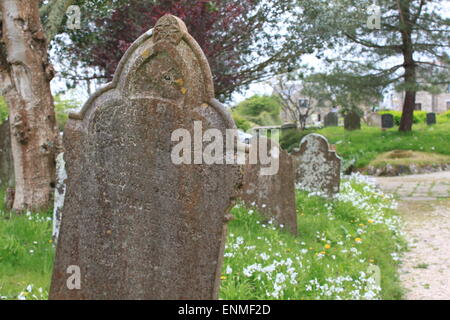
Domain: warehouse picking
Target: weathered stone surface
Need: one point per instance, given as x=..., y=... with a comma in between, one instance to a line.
x=387, y=121
x=318, y=168
x=60, y=192
x=331, y=119
x=6, y=161
x=431, y=118
x=352, y=121
x=374, y=120
x=272, y=195
x=137, y=225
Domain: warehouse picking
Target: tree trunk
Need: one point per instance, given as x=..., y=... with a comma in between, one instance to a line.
x=409, y=65
x=32, y=115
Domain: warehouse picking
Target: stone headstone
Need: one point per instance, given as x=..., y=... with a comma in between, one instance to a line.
x=374, y=120
x=318, y=168
x=135, y=225
x=331, y=119
x=387, y=121
x=352, y=121
x=273, y=195
x=431, y=118
x=6, y=161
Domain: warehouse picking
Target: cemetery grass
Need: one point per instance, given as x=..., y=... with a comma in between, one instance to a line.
x=339, y=240
x=360, y=147
x=340, y=243
x=26, y=255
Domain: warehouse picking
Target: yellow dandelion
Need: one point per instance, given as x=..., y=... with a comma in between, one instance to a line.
x=223, y=278
x=370, y=221
x=327, y=246
x=358, y=240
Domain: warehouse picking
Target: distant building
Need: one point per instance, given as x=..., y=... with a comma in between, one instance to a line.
x=425, y=101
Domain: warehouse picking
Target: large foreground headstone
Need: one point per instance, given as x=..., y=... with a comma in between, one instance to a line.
x=272, y=194
x=331, y=119
x=387, y=121
x=135, y=225
x=352, y=121
x=318, y=168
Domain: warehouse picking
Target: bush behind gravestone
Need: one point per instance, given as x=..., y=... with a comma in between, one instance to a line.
x=418, y=117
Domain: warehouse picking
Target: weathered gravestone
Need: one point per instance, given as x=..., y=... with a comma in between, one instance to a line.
x=374, y=120
x=6, y=161
x=134, y=224
x=318, y=168
x=352, y=121
x=387, y=121
x=331, y=119
x=431, y=118
x=272, y=192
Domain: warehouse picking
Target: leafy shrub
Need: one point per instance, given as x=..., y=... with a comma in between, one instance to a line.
x=241, y=122
x=418, y=116
x=444, y=117
x=260, y=109
x=62, y=108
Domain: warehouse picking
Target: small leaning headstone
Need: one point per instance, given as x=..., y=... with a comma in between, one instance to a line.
x=331, y=119
x=135, y=224
x=318, y=168
x=431, y=118
x=273, y=193
x=352, y=121
x=387, y=121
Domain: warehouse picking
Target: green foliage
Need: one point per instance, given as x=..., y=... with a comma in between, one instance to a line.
x=444, y=117
x=291, y=139
x=62, y=108
x=26, y=252
x=241, y=122
x=360, y=147
x=4, y=112
x=260, y=109
x=337, y=240
x=418, y=116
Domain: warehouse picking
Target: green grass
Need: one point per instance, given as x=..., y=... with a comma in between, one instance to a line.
x=407, y=157
x=26, y=253
x=360, y=147
x=338, y=239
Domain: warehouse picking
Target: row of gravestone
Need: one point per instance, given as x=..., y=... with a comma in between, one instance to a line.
x=136, y=225
x=352, y=121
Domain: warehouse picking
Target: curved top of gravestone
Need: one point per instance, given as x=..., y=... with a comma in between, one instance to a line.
x=317, y=141
x=169, y=37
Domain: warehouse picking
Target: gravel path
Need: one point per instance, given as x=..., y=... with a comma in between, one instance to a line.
x=425, y=270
